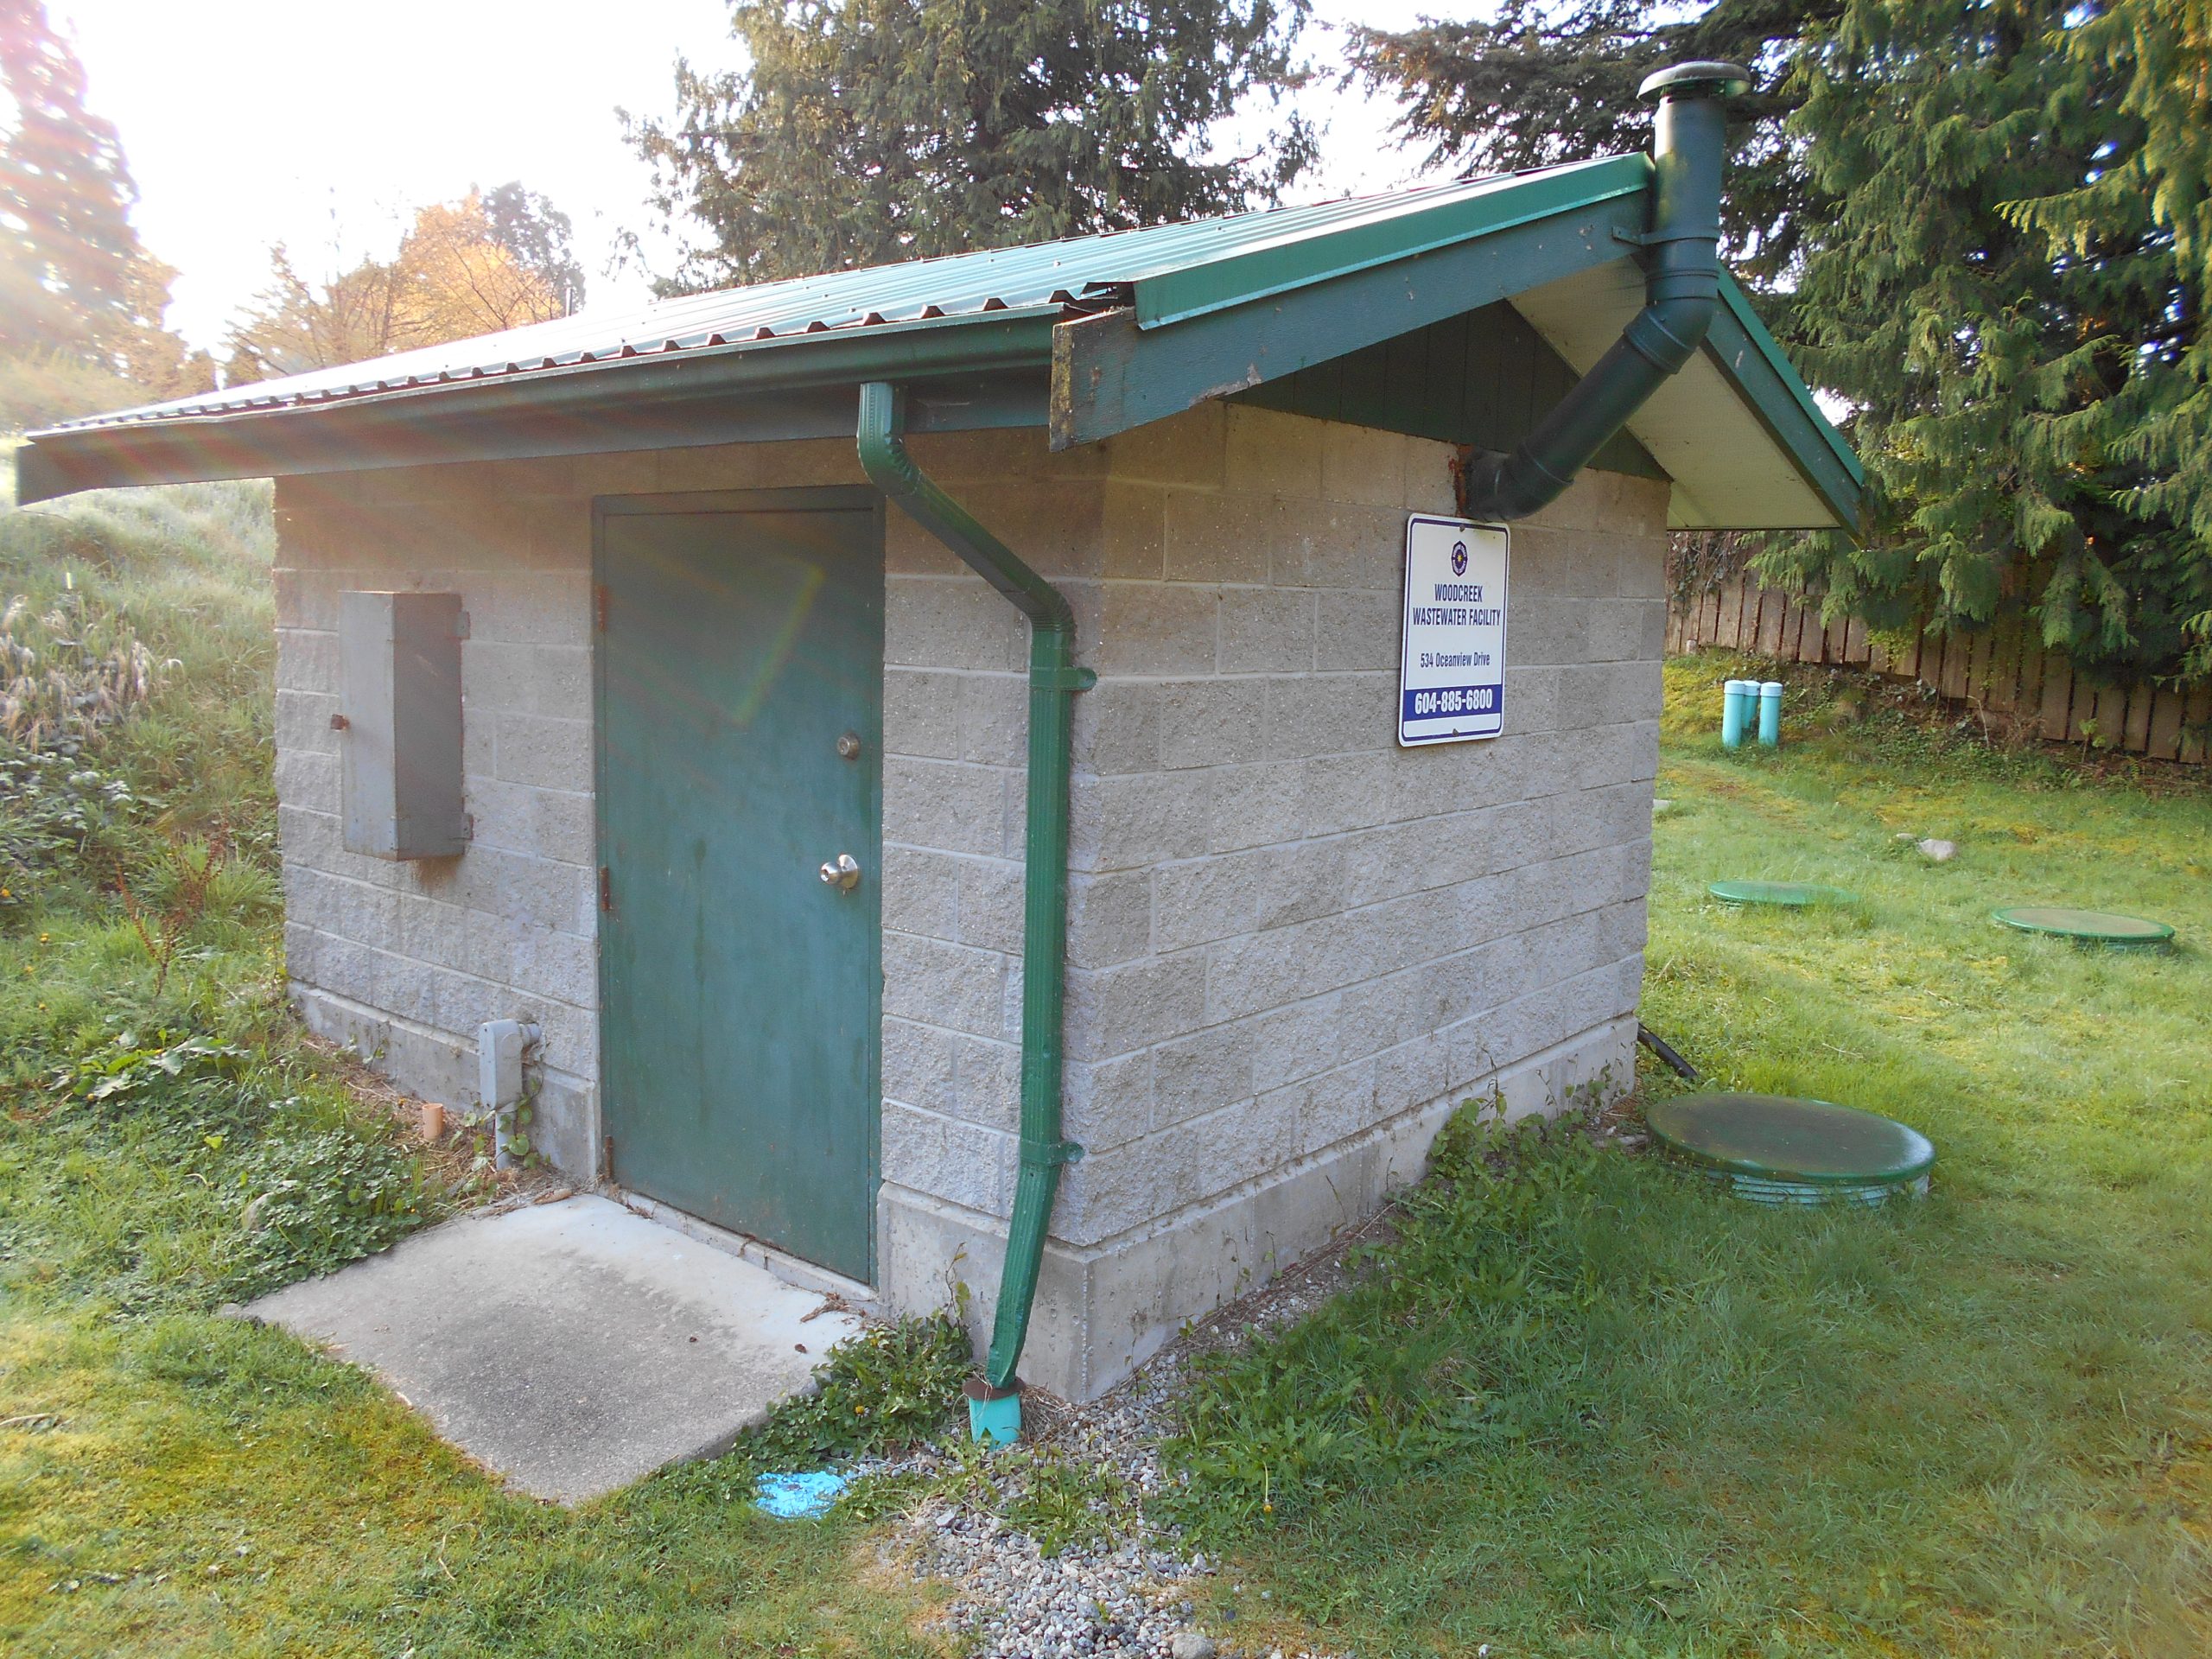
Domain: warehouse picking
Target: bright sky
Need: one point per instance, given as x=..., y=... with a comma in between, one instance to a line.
x=249, y=121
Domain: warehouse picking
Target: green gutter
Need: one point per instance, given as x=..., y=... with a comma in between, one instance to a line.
x=1053, y=681
x=541, y=411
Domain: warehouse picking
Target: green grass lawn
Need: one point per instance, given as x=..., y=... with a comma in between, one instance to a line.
x=1594, y=1408
x=1586, y=1408
x=175, y=1483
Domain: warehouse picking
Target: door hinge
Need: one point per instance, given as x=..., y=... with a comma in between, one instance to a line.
x=599, y=606
x=606, y=890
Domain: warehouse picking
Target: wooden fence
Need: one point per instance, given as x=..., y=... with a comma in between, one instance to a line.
x=2002, y=673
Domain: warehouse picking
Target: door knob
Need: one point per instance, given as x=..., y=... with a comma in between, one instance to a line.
x=842, y=872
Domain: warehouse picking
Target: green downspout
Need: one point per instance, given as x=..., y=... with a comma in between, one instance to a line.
x=1053, y=681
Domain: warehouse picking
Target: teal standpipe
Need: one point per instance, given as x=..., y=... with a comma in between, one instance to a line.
x=1769, y=713
x=1735, y=699
x=1053, y=681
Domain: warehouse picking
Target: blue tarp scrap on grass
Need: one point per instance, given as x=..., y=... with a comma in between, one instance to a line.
x=796, y=1496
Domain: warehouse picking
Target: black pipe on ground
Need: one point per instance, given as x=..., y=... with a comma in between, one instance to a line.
x=1659, y=1046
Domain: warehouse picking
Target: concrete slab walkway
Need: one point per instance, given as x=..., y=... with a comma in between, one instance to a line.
x=570, y=1347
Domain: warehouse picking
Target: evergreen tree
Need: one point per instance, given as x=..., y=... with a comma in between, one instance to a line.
x=76, y=285
x=1988, y=227
x=1543, y=82
x=868, y=131
x=1999, y=379
x=67, y=259
x=539, y=235
x=2160, y=51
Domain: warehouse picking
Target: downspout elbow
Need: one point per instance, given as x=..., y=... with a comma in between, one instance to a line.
x=883, y=457
x=1681, y=293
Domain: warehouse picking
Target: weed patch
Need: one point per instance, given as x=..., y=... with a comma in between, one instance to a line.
x=182, y=1484
x=890, y=1388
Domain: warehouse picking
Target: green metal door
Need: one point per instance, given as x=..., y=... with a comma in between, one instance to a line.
x=741, y=676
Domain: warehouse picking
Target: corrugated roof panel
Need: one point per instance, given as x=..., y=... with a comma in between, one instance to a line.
x=1052, y=276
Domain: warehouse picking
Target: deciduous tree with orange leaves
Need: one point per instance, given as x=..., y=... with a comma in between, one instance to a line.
x=490, y=261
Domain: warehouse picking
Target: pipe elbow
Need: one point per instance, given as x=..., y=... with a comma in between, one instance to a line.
x=883, y=457
x=885, y=460
x=1668, y=330
x=1503, y=488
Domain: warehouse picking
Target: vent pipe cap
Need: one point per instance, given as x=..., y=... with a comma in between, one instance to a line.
x=1697, y=80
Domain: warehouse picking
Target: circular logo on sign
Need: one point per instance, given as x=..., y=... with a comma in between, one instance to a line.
x=1458, y=558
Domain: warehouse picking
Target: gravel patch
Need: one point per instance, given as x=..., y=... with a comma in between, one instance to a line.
x=1132, y=1591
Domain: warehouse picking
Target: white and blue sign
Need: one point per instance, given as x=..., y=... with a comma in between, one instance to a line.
x=1451, y=680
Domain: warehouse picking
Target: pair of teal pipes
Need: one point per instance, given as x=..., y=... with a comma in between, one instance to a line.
x=1744, y=701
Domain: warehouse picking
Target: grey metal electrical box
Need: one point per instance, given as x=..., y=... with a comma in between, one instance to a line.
x=399, y=723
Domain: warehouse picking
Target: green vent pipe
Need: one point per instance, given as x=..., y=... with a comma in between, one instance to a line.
x=1053, y=681
x=1681, y=290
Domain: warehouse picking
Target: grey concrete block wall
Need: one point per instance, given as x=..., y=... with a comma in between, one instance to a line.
x=1292, y=945
x=406, y=959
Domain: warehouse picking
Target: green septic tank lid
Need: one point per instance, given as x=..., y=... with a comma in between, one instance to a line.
x=2090, y=926
x=1794, y=895
x=1779, y=1149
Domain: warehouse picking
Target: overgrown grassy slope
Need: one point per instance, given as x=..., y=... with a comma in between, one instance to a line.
x=1595, y=1409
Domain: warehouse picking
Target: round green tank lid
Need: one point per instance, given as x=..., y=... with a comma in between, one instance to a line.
x=1793, y=895
x=1778, y=1138
x=2091, y=926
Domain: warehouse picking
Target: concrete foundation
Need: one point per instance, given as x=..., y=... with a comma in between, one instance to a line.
x=1102, y=1310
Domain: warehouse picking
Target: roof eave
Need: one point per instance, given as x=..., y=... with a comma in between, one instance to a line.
x=755, y=391
x=1754, y=363
x=1110, y=372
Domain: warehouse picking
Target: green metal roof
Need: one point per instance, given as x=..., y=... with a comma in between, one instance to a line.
x=979, y=332
x=1172, y=270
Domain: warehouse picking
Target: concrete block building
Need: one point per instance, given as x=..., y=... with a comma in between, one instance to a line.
x=930, y=748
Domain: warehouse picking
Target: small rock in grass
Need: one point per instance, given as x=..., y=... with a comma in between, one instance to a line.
x=1189, y=1645
x=1660, y=806
x=1937, y=852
